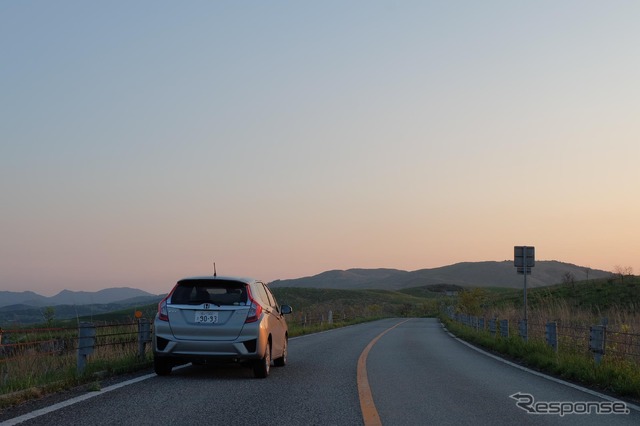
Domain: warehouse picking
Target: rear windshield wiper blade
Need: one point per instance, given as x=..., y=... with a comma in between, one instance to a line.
x=201, y=301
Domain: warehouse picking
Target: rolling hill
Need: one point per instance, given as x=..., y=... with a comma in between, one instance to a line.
x=67, y=297
x=466, y=274
x=28, y=307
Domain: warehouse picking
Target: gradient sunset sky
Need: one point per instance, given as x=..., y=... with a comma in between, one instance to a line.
x=142, y=141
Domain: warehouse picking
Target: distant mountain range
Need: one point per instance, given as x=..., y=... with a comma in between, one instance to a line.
x=67, y=297
x=466, y=274
x=28, y=307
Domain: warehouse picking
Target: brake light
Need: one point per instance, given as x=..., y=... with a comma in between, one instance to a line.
x=163, y=312
x=255, y=310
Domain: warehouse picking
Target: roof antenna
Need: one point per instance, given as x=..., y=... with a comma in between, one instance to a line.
x=215, y=274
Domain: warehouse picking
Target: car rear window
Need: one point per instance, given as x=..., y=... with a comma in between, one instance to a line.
x=219, y=292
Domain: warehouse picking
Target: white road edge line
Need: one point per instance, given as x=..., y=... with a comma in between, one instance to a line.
x=55, y=407
x=68, y=402
x=315, y=333
x=544, y=376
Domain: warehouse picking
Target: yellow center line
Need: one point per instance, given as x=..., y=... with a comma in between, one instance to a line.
x=369, y=411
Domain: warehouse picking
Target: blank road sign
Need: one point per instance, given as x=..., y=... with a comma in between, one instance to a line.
x=524, y=256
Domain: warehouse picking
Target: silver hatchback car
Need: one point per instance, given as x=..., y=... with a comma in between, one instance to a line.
x=220, y=319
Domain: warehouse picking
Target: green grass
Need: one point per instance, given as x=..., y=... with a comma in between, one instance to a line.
x=305, y=298
x=296, y=329
x=593, y=295
x=312, y=305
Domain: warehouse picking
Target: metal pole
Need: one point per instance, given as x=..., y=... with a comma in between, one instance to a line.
x=525, y=283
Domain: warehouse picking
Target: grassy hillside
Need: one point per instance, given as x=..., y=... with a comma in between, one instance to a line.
x=20, y=315
x=592, y=295
x=124, y=315
x=312, y=301
x=305, y=298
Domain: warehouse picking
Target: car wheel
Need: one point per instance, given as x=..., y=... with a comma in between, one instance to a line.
x=263, y=365
x=162, y=366
x=282, y=361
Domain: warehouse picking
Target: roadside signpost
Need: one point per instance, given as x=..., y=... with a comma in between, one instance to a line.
x=524, y=259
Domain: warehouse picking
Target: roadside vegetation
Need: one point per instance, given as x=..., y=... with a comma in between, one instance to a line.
x=614, y=375
x=43, y=369
x=574, y=307
x=42, y=358
x=323, y=309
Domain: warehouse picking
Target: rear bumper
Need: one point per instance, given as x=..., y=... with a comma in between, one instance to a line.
x=171, y=348
x=246, y=347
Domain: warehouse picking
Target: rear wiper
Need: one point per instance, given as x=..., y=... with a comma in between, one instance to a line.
x=201, y=301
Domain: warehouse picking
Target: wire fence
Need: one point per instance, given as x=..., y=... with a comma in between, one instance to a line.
x=599, y=340
x=303, y=319
x=39, y=356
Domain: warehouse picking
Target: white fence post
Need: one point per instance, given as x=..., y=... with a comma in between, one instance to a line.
x=597, y=339
x=504, y=328
x=144, y=335
x=551, y=333
x=86, y=344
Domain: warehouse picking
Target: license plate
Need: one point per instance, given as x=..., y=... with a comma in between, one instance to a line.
x=206, y=317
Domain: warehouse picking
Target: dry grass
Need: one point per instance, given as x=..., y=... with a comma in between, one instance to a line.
x=33, y=365
x=574, y=311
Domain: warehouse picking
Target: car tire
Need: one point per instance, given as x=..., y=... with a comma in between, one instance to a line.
x=282, y=361
x=263, y=365
x=162, y=366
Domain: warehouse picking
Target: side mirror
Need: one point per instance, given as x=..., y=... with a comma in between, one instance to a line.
x=286, y=309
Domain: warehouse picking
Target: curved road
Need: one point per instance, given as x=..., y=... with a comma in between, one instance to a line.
x=417, y=375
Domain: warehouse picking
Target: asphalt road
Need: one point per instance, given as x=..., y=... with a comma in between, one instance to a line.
x=418, y=375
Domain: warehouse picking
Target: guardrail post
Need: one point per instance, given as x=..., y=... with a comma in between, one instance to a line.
x=86, y=343
x=551, y=334
x=597, y=339
x=492, y=326
x=4, y=374
x=144, y=335
x=504, y=328
x=450, y=311
x=330, y=318
x=523, y=326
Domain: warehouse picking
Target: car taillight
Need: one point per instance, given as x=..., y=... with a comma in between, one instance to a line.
x=163, y=313
x=255, y=310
